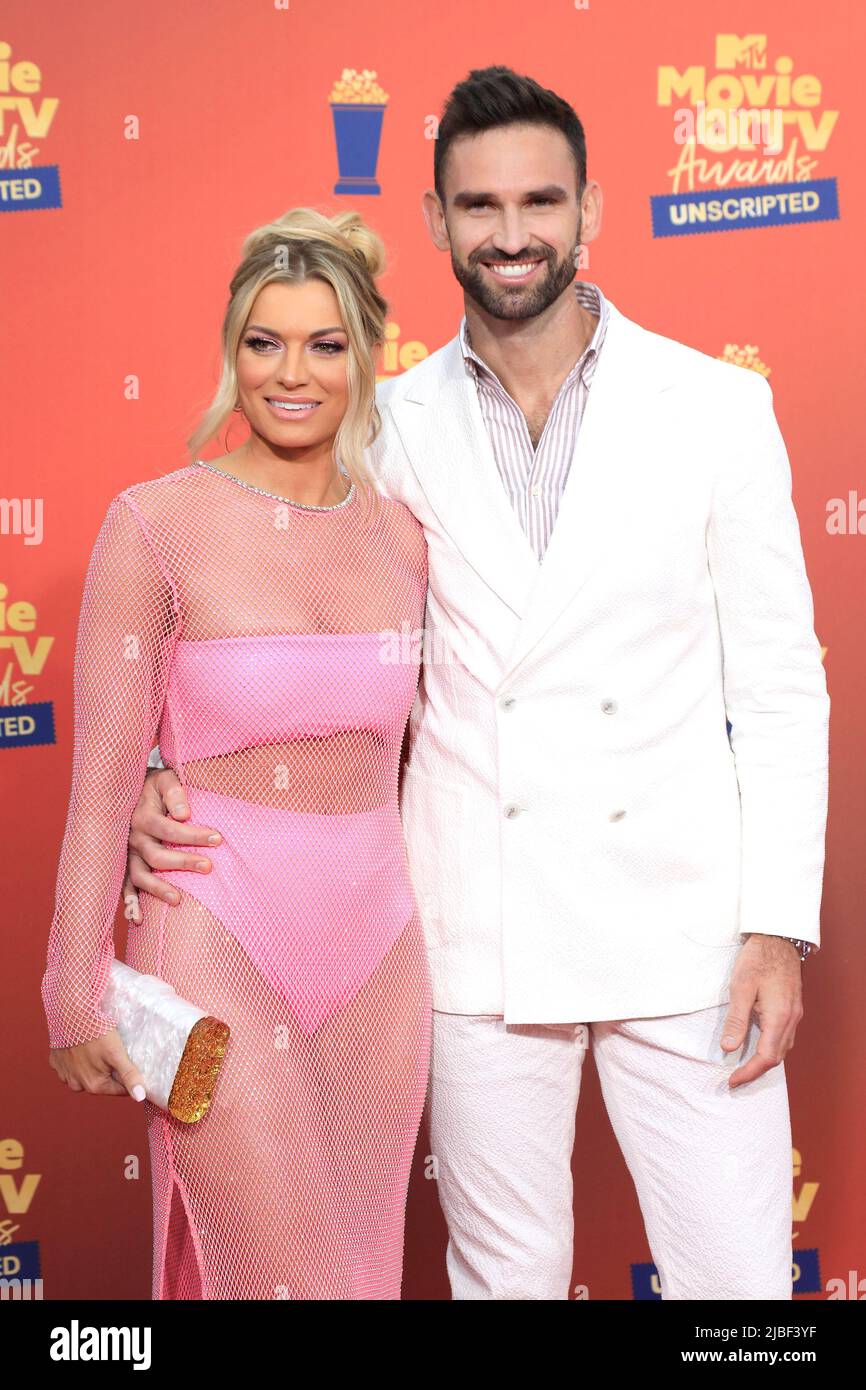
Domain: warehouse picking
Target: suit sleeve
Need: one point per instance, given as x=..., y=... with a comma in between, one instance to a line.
x=127, y=628
x=774, y=681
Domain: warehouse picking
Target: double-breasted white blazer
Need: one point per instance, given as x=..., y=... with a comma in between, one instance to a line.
x=585, y=839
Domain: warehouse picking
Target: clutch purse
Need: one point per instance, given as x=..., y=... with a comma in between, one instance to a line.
x=177, y=1047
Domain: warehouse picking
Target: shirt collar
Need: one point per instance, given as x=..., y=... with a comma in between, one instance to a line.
x=589, y=296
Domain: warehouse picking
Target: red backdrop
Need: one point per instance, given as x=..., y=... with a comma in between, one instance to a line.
x=158, y=135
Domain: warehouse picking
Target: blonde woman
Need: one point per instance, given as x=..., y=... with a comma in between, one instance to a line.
x=238, y=610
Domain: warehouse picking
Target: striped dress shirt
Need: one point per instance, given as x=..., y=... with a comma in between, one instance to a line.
x=534, y=479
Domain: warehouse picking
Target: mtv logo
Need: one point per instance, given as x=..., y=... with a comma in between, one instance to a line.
x=735, y=52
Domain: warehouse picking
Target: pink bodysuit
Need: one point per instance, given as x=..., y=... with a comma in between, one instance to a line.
x=273, y=650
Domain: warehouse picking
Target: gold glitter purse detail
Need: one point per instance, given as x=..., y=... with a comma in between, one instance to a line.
x=177, y=1047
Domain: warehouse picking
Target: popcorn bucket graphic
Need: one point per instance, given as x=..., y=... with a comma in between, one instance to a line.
x=358, y=105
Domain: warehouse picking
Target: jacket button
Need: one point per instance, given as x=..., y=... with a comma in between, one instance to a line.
x=609, y=706
x=616, y=815
x=511, y=811
x=508, y=702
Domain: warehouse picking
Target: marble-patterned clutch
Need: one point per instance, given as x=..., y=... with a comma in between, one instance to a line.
x=177, y=1047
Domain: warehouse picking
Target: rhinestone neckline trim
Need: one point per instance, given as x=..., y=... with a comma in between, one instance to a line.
x=304, y=506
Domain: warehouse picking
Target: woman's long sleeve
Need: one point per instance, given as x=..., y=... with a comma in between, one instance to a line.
x=129, y=623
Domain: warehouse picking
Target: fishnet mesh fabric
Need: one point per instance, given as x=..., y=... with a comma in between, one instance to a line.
x=266, y=646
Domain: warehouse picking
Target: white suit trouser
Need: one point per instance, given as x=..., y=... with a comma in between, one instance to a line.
x=711, y=1166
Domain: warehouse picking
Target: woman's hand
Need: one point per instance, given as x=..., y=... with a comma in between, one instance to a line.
x=162, y=808
x=101, y=1066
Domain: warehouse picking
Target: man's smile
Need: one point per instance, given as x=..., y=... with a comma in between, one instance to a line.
x=513, y=272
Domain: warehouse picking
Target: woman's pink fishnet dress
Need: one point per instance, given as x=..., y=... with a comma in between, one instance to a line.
x=274, y=649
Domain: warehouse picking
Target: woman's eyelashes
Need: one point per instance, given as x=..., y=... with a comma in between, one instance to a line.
x=259, y=344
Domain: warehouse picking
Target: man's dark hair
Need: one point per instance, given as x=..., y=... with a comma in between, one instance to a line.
x=498, y=96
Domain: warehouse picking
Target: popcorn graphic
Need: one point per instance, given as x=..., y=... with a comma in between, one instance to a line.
x=358, y=107
x=744, y=357
x=362, y=87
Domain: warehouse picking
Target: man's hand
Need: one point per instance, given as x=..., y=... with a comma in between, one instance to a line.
x=102, y=1066
x=162, y=808
x=767, y=978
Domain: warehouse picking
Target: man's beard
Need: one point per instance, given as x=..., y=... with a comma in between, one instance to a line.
x=522, y=302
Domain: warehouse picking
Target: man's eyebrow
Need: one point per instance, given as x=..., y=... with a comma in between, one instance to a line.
x=272, y=332
x=553, y=191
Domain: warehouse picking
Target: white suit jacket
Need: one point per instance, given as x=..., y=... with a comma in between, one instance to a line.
x=584, y=838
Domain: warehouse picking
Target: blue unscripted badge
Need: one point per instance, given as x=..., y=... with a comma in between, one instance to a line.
x=20, y=1260
x=645, y=1281
x=22, y=190
x=23, y=725
x=729, y=210
x=807, y=1276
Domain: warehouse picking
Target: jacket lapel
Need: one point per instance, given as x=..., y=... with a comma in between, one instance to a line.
x=605, y=478
x=443, y=430
x=451, y=453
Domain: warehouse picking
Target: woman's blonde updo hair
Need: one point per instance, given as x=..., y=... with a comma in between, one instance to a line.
x=344, y=253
